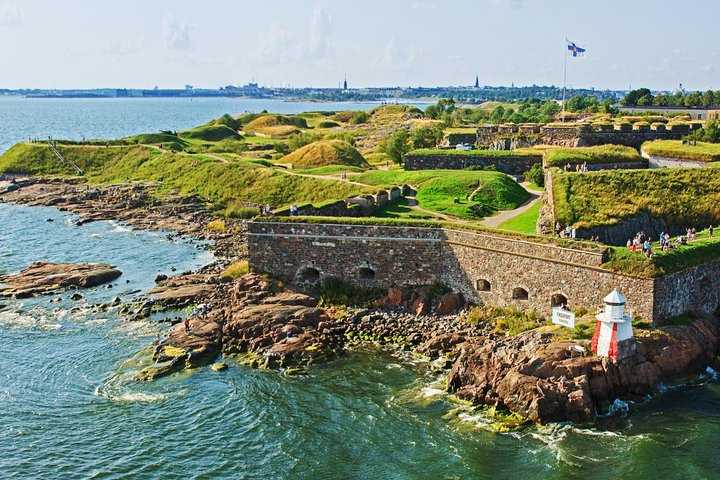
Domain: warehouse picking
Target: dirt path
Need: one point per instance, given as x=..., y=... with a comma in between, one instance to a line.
x=508, y=214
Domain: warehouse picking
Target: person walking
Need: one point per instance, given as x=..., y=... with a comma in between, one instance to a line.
x=187, y=325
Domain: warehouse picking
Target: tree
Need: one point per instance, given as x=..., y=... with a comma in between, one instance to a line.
x=397, y=145
x=427, y=137
x=445, y=106
x=536, y=175
x=606, y=106
x=633, y=96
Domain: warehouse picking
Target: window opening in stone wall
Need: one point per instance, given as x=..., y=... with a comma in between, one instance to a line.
x=519, y=294
x=558, y=300
x=310, y=274
x=482, y=285
x=366, y=273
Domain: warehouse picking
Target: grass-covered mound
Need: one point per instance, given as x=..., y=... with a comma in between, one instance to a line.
x=35, y=159
x=219, y=182
x=325, y=152
x=702, y=152
x=276, y=126
x=597, y=155
x=394, y=110
x=480, y=193
x=211, y=133
x=680, y=196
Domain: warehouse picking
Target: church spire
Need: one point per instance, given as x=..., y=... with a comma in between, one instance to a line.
x=345, y=83
x=477, y=81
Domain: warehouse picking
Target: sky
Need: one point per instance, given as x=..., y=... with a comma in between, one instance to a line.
x=212, y=43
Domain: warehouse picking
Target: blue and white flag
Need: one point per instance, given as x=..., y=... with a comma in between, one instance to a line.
x=574, y=49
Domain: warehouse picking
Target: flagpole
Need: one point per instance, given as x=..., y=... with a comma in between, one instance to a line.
x=564, y=84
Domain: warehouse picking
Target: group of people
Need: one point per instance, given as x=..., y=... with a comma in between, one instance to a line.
x=200, y=310
x=579, y=167
x=571, y=233
x=642, y=242
x=293, y=210
x=265, y=211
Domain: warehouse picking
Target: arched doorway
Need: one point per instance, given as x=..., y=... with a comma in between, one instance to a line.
x=482, y=285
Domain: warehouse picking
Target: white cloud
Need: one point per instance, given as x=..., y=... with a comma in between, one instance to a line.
x=321, y=28
x=395, y=57
x=9, y=15
x=277, y=44
x=177, y=33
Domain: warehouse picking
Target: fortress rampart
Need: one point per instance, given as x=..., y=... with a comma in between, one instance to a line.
x=485, y=268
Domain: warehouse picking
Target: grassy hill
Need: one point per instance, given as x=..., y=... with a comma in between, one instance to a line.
x=325, y=152
x=276, y=126
x=219, y=182
x=679, y=196
x=211, y=133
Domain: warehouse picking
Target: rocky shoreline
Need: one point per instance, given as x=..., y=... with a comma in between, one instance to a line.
x=254, y=319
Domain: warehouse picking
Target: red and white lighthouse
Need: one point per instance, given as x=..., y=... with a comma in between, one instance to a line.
x=614, y=335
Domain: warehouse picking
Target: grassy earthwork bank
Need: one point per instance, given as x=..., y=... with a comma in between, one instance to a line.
x=681, y=196
x=701, y=152
x=520, y=152
x=597, y=155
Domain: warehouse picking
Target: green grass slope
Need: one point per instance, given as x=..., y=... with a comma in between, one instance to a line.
x=325, y=152
x=480, y=193
x=679, y=196
x=702, y=152
x=600, y=154
x=218, y=182
x=211, y=133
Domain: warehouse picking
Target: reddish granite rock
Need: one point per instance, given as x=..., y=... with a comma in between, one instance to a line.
x=45, y=277
x=450, y=303
x=528, y=375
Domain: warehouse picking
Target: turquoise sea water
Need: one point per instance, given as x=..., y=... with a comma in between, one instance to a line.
x=69, y=410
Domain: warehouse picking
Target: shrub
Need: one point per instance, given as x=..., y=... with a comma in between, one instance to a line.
x=536, y=175
x=217, y=226
x=328, y=124
x=236, y=211
x=236, y=270
x=359, y=118
x=508, y=320
x=336, y=292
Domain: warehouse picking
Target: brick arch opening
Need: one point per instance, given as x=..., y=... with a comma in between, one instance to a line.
x=366, y=273
x=558, y=300
x=309, y=274
x=482, y=285
x=520, y=293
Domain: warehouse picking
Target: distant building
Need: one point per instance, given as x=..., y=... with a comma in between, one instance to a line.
x=345, y=84
x=477, y=81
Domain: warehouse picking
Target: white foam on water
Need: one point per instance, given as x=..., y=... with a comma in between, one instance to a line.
x=28, y=321
x=119, y=228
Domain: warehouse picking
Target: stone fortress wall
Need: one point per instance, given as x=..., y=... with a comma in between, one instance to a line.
x=487, y=269
x=582, y=135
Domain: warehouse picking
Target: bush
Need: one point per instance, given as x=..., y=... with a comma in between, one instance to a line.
x=217, y=226
x=228, y=121
x=536, y=175
x=336, y=292
x=236, y=270
x=508, y=320
x=235, y=211
x=328, y=124
x=359, y=118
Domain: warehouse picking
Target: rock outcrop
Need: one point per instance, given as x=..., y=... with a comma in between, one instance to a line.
x=534, y=376
x=44, y=277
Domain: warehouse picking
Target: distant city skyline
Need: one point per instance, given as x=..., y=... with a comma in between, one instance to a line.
x=77, y=44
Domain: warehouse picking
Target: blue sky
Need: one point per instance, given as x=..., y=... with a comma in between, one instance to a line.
x=210, y=43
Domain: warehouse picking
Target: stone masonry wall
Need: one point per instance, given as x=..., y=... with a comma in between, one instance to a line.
x=695, y=289
x=484, y=268
x=512, y=165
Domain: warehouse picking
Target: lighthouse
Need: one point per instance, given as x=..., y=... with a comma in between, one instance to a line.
x=614, y=335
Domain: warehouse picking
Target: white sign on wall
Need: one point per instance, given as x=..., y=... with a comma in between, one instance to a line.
x=563, y=317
